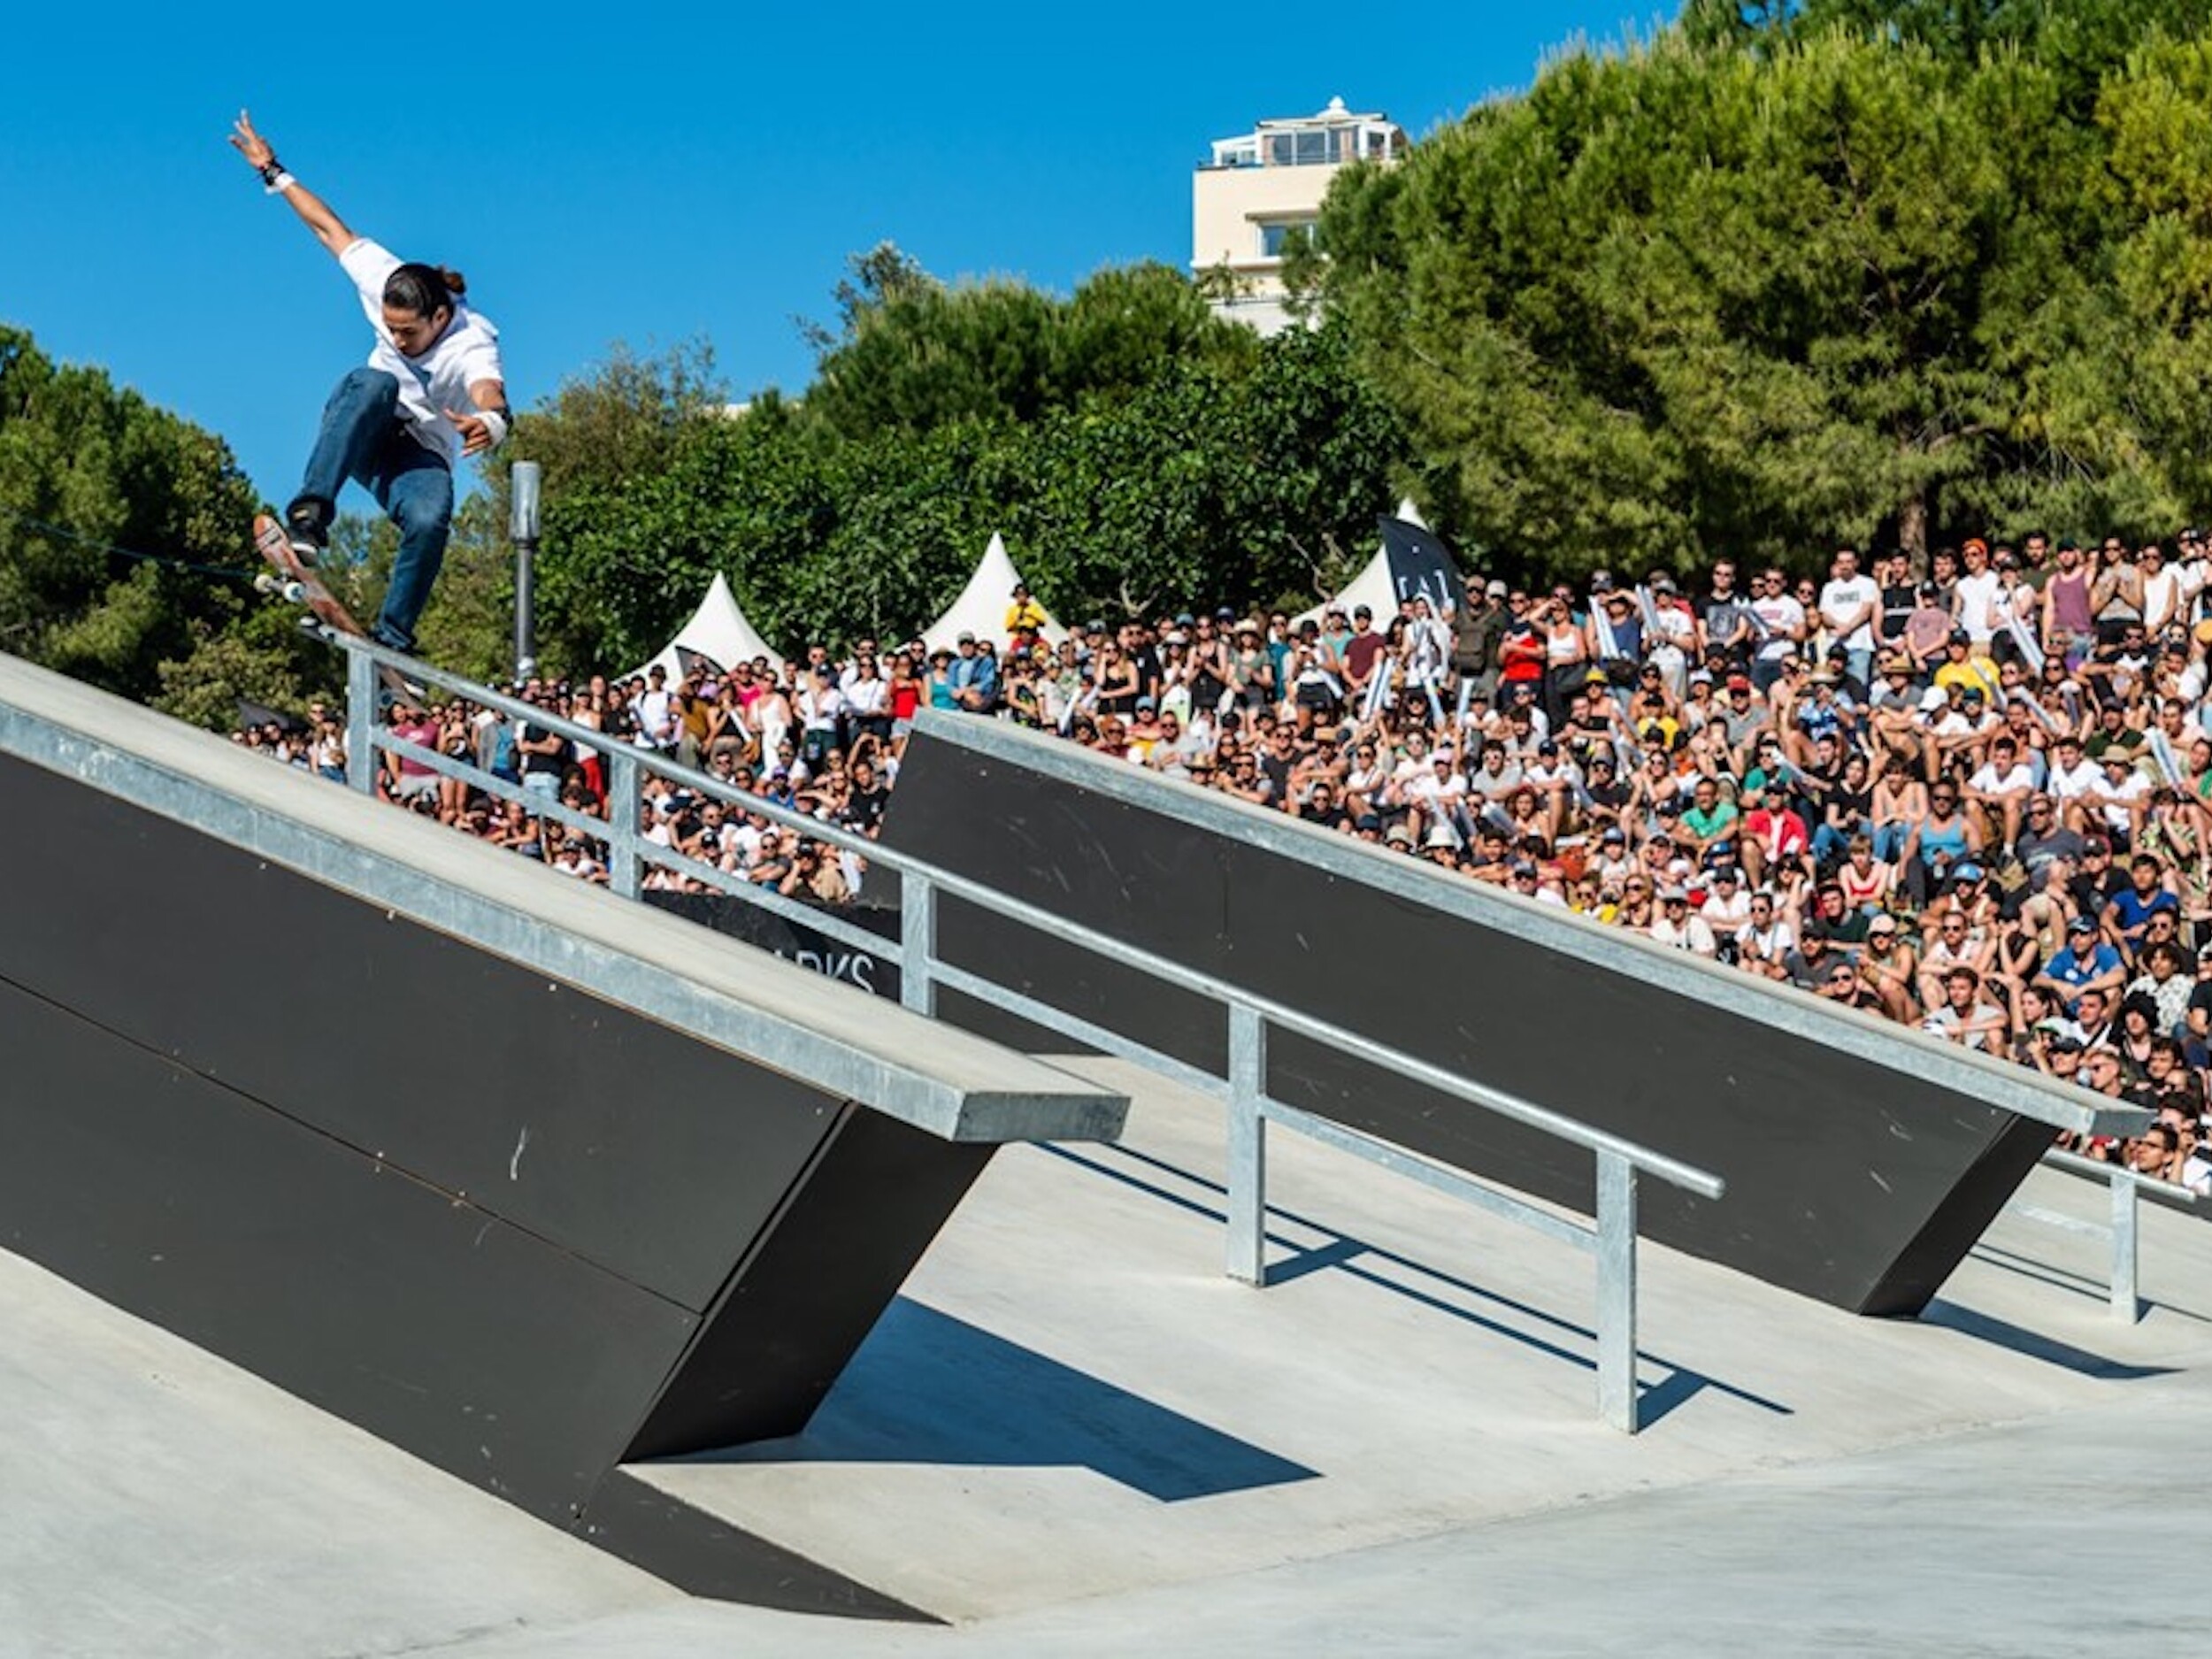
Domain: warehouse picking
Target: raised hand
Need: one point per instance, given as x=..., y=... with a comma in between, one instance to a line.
x=256, y=149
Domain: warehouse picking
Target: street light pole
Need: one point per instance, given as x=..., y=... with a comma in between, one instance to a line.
x=524, y=482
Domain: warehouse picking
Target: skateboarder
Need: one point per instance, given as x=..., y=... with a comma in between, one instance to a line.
x=431, y=392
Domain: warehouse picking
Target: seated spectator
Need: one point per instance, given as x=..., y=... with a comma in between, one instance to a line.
x=1963, y=1016
x=2088, y=963
x=1674, y=925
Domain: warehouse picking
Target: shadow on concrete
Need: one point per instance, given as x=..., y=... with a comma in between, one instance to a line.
x=1342, y=1254
x=1983, y=1327
x=2066, y=1278
x=928, y=1388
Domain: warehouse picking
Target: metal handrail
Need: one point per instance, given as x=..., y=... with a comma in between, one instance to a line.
x=2121, y=1231
x=1611, y=1237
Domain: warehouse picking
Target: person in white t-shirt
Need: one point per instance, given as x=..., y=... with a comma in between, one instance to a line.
x=1977, y=598
x=1782, y=628
x=1675, y=925
x=1727, y=906
x=432, y=392
x=2001, y=789
x=2164, y=590
x=2074, y=781
x=1849, y=605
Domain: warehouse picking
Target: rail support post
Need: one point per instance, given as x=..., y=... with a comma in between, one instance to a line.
x=1247, y=1145
x=1617, y=1291
x=917, y=943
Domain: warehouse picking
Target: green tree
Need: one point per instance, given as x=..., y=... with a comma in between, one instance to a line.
x=1678, y=300
x=1131, y=447
x=2080, y=43
x=912, y=354
x=87, y=468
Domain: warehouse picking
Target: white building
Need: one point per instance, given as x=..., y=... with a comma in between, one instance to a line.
x=1262, y=185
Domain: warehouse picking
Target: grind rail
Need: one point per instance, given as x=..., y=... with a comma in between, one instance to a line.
x=1609, y=1236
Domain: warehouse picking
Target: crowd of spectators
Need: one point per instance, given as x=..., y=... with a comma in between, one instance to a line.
x=1972, y=797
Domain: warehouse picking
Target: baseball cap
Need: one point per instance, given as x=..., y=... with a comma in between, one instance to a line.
x=1496, y=589
x=2081, y=925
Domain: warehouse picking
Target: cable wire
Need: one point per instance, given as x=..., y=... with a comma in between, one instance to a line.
x=62, y=533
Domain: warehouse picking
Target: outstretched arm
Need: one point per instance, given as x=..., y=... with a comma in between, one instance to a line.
x=329, y=229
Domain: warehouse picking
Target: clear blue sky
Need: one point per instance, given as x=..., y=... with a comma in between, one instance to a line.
x=650, y=174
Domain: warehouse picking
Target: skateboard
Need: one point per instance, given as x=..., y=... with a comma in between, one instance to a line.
x=297, y=584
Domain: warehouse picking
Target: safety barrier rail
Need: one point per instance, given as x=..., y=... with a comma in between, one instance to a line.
x=1609, y=1236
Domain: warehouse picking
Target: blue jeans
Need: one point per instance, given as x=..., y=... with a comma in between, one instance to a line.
x=363, y=438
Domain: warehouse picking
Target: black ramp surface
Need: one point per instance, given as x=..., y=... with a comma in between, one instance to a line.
x=355, y=1288
x=505, y=1222
x=471, y=1073
x=1847, y=1180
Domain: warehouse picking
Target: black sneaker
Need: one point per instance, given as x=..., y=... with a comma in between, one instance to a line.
x=306, y=527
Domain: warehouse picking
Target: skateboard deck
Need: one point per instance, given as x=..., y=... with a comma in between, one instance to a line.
x=300, y=585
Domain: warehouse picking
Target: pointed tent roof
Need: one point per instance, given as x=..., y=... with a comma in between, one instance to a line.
x=1404, y=533
x=718, y=631
x=982, y=605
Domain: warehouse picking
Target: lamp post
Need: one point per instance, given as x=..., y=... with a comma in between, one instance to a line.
x=523, y=483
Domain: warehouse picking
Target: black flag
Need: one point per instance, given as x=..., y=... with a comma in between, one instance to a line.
x=690, y=662
x=1420, y=564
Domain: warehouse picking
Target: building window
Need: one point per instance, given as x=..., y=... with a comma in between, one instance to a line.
x=1275, y=236
x=1306, y=147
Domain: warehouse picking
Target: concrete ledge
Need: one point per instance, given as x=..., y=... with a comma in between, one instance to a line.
x=1911, y=1054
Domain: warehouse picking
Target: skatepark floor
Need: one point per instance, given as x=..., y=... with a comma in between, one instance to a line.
x=1073, y=1435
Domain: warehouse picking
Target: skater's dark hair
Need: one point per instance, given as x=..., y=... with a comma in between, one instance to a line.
x=422, y=288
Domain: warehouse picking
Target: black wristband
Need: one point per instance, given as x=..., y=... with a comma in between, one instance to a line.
x=269, y=171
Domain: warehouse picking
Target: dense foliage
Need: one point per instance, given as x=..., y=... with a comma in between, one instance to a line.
x=1134, y=450
x=85, y=467
x=1796, y=273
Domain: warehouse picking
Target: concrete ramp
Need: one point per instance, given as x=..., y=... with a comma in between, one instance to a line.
x=527, y=1180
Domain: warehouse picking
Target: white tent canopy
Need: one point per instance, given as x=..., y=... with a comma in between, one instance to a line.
x=718, y=631
x=983, y=604
x=1373, y=587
